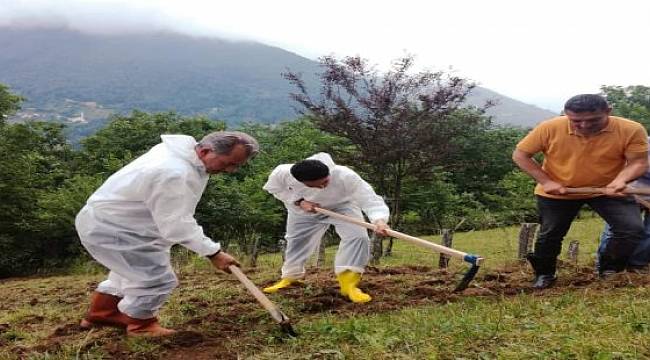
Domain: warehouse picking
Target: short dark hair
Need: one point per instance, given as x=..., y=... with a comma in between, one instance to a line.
x=586, y=103
x=309, y=170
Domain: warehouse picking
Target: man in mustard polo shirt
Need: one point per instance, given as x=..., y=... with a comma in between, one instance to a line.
x=586, y=147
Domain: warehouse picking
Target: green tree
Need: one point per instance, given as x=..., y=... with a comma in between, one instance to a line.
x=402, y=125
x=55, y=215
x=34, y=160
x=127, y=137
x=9, y=102
x=512, y=199
x=631, y=102
x=483, y=158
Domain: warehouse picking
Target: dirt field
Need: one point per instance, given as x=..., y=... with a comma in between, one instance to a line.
x=216, y=318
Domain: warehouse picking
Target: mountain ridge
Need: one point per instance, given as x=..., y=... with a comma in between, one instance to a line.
x=76, y=77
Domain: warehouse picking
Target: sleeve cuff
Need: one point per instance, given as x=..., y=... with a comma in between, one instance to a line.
x=525, y=149
x=213, y=255
x=377, y=215
x=204, y=247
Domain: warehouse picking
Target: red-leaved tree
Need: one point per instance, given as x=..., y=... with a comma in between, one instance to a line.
x=403, y=125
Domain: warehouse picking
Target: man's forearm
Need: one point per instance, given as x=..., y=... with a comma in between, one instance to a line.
x=531, y=167
x=632, y=171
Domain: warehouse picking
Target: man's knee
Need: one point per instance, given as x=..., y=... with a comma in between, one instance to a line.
x=356, y=238
x=553, y=231
x=548, y=244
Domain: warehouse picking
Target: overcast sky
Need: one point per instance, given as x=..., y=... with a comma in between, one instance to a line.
x=539, y=52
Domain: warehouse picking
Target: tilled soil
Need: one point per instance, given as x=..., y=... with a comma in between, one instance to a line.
x=233, y=326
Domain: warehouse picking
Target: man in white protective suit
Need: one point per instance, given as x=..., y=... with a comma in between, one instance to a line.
x=317, y=181
x=131, y=222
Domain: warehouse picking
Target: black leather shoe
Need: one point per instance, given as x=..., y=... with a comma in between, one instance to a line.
x=544, y=281
x=606, y=274
x=608, y=266
x=542, y=265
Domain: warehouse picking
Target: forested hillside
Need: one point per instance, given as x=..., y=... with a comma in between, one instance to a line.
x=80, y=79
x=458, y=173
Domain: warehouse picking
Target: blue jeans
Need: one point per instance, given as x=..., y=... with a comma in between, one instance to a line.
x=641, y=254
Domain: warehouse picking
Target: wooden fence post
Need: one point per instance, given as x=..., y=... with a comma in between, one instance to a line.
x=526, y=239
x=377, y=248
x=572, y=251
x=180, y=257
x=320, y=257
x=447, y=238
x=255, y=244
x=282, y=243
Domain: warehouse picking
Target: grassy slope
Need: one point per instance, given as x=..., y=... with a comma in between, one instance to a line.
x=38, y=315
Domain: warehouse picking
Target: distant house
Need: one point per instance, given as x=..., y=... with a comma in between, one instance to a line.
x=78, y=119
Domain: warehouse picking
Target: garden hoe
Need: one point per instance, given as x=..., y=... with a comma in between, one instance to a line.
x=276, y=314
x=599, y=190
x=474, y=260
x=630, y=191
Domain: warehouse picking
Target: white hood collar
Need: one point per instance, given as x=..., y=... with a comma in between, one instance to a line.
x=182, y=146
x=325, y=158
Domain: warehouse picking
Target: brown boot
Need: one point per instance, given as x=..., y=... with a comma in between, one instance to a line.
x=103, y=312
x=147, y=328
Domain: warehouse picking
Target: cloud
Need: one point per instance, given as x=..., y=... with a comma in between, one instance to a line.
x=105, y=17
x=527, y=50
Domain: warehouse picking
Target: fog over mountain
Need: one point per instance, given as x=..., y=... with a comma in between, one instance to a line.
x=81, y=78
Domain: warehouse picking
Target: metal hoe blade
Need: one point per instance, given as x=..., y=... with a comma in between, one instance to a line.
x=467, y=278
x=286, y=328
x=471, y=273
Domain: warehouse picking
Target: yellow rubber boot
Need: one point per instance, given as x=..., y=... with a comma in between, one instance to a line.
x=349, y=281
x=283, y=283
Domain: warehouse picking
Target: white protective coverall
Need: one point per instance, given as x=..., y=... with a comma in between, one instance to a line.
x=130, y=223
x=347, y=193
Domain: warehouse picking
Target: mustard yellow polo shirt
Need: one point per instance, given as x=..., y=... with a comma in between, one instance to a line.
x=576, y=161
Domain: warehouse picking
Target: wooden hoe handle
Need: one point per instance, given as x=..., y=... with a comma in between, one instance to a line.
x=600, y=190
x=277, y=315
x=412, y=239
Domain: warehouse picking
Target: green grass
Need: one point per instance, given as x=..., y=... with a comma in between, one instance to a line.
x=498, y=246
x=569, y=326
x=570, y=323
